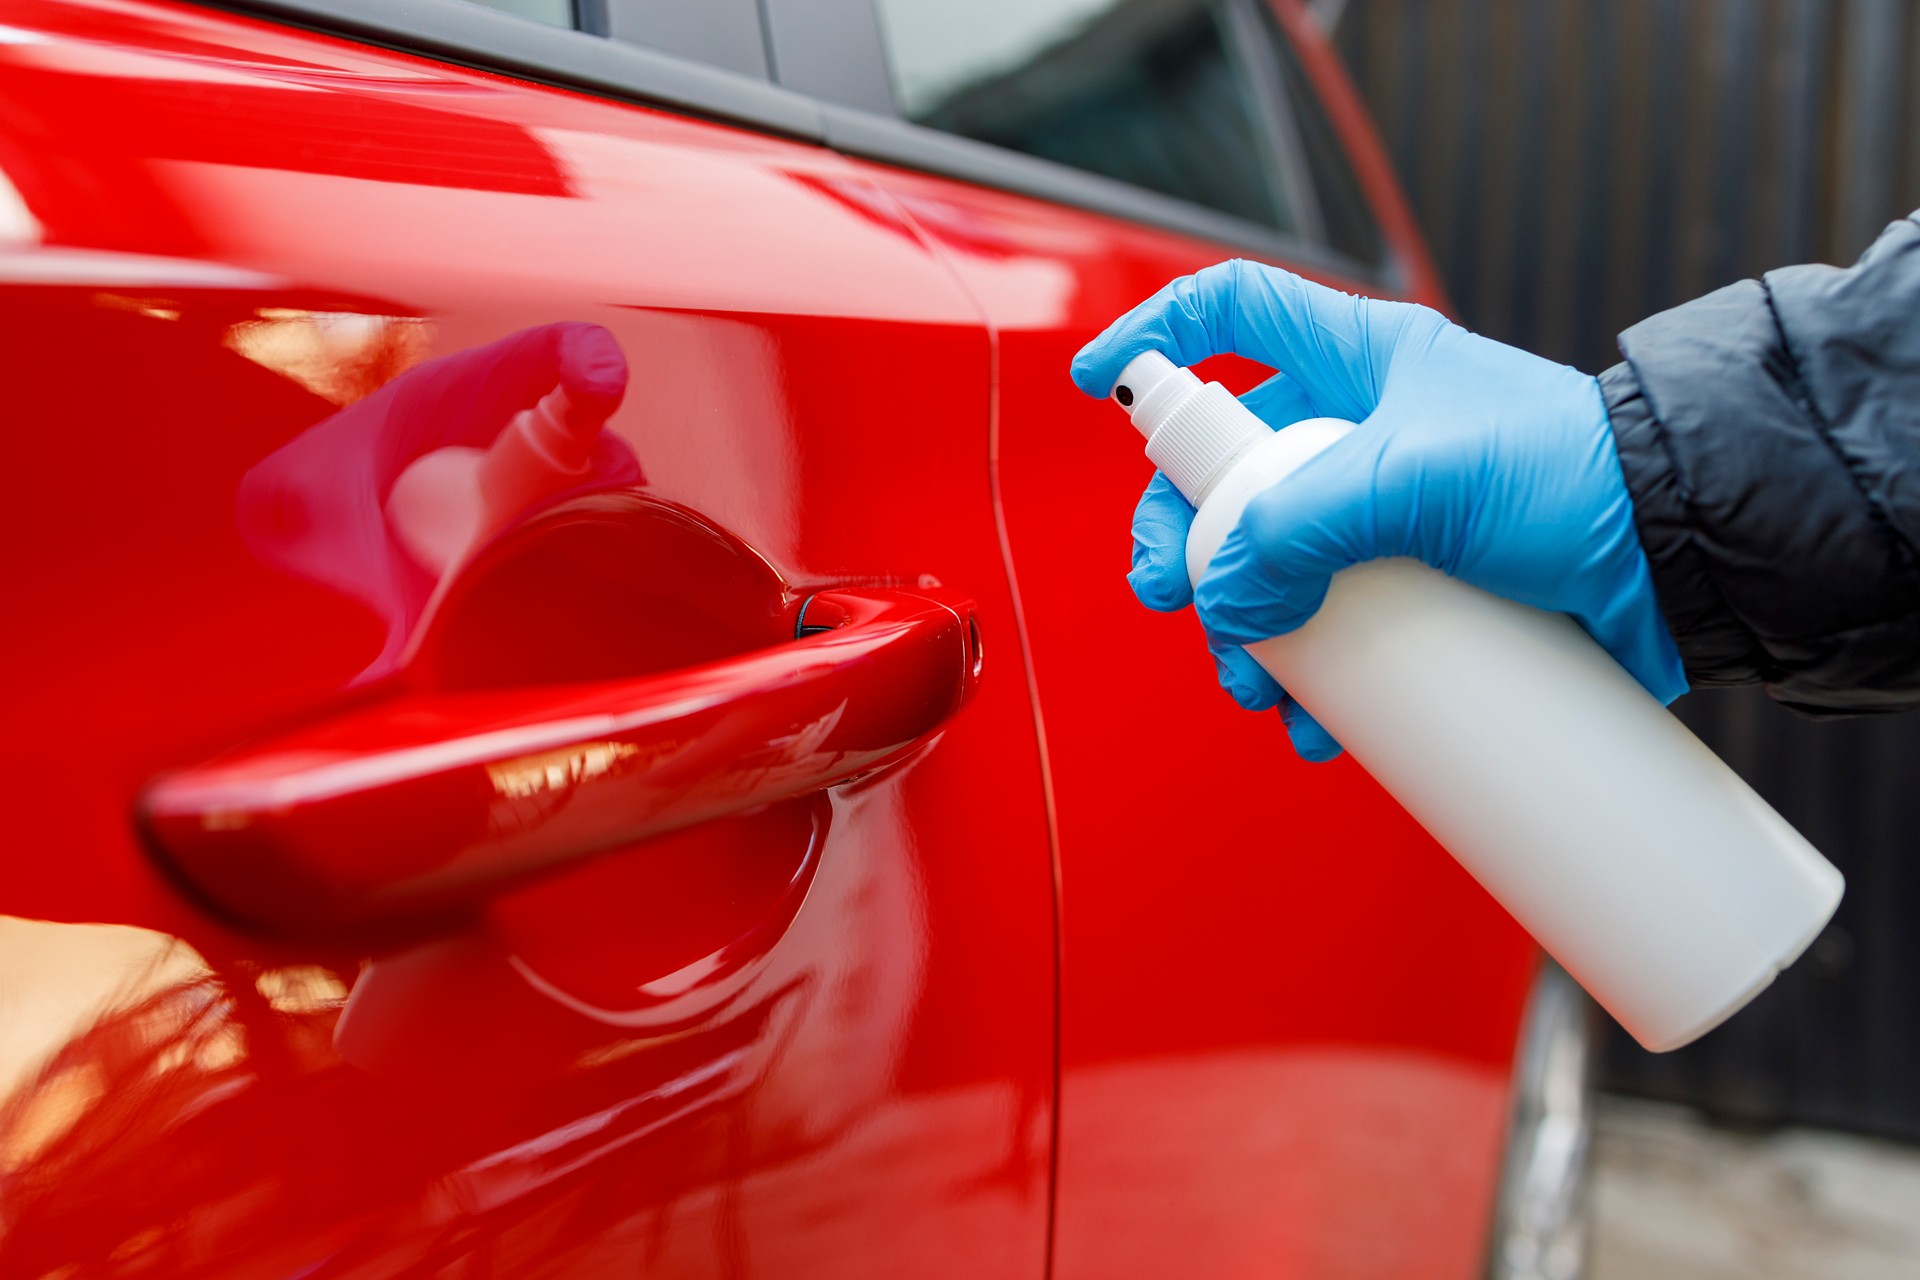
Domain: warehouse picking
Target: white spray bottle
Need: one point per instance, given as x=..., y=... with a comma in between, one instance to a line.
x=1643, y=864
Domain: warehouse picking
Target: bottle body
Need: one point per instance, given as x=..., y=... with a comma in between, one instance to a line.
x=1649, y=870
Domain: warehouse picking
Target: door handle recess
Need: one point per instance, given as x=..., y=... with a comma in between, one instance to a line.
x=426, y=804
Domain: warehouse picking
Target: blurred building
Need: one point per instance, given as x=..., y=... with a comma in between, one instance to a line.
x=1579, y=164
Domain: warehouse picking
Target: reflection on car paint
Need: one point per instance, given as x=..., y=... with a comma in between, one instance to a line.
x=340, y=356
x=316, y=507
x=431, y=1068
x=231, y=232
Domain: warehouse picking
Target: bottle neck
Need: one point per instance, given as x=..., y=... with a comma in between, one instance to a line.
x=1220, y=472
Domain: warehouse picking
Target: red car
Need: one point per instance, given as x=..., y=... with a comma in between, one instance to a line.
x=573, y=707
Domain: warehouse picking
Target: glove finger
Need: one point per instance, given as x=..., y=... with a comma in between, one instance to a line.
x=1250, y=686
x=1279, y=402
x=1310, y=741
x=1243, y=678
x=1189, y=319
x=1160, y=524
x=1271, y=573
x=1337, y=346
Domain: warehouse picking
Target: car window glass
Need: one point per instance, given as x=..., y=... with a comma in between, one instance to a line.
x=1150, y=92
x=1345, y=214
x=555, y=13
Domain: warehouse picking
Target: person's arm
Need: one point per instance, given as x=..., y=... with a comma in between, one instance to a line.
x=1769, y=434
x=1738, y=502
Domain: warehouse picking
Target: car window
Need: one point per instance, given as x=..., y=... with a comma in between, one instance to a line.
x=1346, y=217
x=555, y=13
x=1151, y=92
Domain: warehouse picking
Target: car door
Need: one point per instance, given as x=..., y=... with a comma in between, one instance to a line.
x=1288, y=1019
x=521, y=759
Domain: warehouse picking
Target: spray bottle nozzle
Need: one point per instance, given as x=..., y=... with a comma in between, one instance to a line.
x=1193, y=429
x=1149, y=387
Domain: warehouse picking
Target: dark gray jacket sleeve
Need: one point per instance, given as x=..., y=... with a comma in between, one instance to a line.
x=1770, y=436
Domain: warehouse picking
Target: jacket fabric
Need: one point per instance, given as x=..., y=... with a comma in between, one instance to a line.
x=1770, y=437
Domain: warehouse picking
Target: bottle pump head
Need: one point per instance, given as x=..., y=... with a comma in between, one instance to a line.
x=1193, y=428
x=1149, y=387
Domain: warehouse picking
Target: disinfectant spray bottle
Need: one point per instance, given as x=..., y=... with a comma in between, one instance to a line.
x=1650, y=871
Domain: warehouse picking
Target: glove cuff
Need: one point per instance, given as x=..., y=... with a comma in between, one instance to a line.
x=1715, y=646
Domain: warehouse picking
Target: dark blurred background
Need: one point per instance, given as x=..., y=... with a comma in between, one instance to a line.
x=1580, y=164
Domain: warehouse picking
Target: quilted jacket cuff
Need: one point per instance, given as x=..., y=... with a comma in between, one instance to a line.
x=1715, y=646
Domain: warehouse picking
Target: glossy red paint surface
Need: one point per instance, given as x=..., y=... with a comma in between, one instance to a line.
x=432, y=801
x=262, y=272
x=253, y=275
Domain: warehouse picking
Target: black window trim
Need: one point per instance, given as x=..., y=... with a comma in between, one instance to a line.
x=471, y=35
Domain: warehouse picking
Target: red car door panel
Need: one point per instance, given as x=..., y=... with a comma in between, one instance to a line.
x=1288, y=1018
x=249, y=277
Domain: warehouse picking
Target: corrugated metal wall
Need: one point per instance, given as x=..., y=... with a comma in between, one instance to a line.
x=1579, y=164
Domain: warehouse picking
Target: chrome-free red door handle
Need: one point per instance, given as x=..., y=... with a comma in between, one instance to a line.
x=430, y=802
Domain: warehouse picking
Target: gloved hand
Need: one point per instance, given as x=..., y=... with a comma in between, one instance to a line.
x=1484, y=461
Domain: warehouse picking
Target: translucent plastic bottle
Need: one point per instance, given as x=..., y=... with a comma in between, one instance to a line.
x=1643, y=864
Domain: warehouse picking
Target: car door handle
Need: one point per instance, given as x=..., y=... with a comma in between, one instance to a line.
x=424, y=805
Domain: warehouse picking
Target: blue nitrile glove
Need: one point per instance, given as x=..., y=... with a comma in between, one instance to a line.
x=1480, y=459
